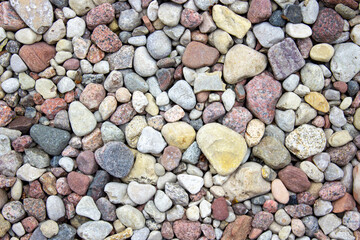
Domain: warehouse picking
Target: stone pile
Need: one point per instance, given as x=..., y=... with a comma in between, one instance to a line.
x=182, y=119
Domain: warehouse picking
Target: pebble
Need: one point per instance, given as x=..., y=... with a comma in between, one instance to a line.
x=298, y=30
x=158, y=45
x=267, y=34
x=93, y=230
x=130, y=217
x=329, y=222
x=55, y=208
x=297, y=184
x=169, y=14
x=208, y=55
x=87, y=208
x=140, y=193
x=322, y=52
x=77, y=115
x=75, y=27
x=331, y=21
x=144, y=64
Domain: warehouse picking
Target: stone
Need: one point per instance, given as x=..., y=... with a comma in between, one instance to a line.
x=272, y=152
x=106, y=39
x=332, y=191
x=328, y=26
x=199, y=55
x=162, y=201
x=322, y=52
x=130, y=217
x=129, y=19
x=343, y=65
x=87, y=208
x=158, y=45
x=329, y=222
x=93, y=230
x=116, y=158
x=78, y=182
x=143, y=170
x=177, y=194
x=306, y=141
x=55, y=208
x=39, y=17
x=243, y=62
x=259, y=11
x=178, y=134
x=46, y=88
x=239, y=229
x=298, y=30
x=81, y=119
x=150, y=141
x=144, y=64
x=121, y=59
x=317, y=101
x=49, y=228
x=140, y=193
x=192, y=184
x=10, y=20
x=4, y=226
x=297, y=184
x=279, y=191
x=169, y=14
x=52, y=140
x=230, y=22
x=340, y=138
x=102, y=14
x=7, y=115
x=219, y=209
x=212, y=140
x=312, y=77
x=185, y=229
x=285, y=58
x=267, y=34
x=37, y=56
x=81, y=7
x=208, y=82
x=246, y=183
x=13, y=212
x=263, y=91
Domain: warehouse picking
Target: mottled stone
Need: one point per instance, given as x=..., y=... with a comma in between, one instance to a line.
x=294, y=179
x=328, y=26
x=105, y=39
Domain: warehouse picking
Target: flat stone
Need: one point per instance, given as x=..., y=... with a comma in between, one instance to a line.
x=37, y=56
x=116, y=158
x=9, y=19
x=87, y=208
x=267, y=34
x=144, y=64
x=300, y=183
x=243, y=62
x=199, y=55
x=191, y=183
x=150, y=141
x=246, y=183
x=182, y=94
x=285, y=58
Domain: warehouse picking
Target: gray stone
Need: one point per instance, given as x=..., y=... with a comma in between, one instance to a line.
x=13, y=211
x=182, y=94
x=158, y=45
x=304, y=114
x=10, y=85
x=267, y=34
x=52, y=140
x=177, y=194
x=151, y=141
x=191, y=183
x=55, y=208
x=291, y=82
x=4, y=145
x=205, y=4
x=153, y=212
x=312, y=76
x=94, y=230
x=87, y=208
x=342, y=233
x=140, y=193
x=344, y=64
x=169, y=14
x=82, y=120
x=66, y=232
x=115, y=158
x=17, y=64
x=285, y=119
x=141, y=234
x=129, y=19
x=110, y=132
x=162, y=201
x=337, y=117
x=329, y=223
x=309, y=11
x=144, y=64
x=191, y=154
x=333, y=172
x=176, y=213
x=10, y=163
x=65, y=85
x=121, y=59
x=174, y=32
x=36, y=157
x=133, y=82
x=276, y=132
x=321, y=207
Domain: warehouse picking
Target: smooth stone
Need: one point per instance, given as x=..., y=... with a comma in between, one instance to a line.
x=267, y=34
x=169, y=14
x=312, y=77
x=340, y=138
x=81, y=119
x=285, y=120
x=151, y=141
x=140, y=193
x=182, y=94
x=87, y=208
x=310, y=11
x=224, y=148
x=143, y=171
x=158, y=45
x=298, y=30
x=28, y=173
x=191, y=183
x=322, y=52
x=162, y=201
x=208, y=82
x=55, y=208
x=94, y=230
x=279, y=191
x=46, y=88
x=144, y=64
x=317, y=101
x=130, y=217
x=178, y=134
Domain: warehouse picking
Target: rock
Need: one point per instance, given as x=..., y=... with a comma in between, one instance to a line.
x=279, y=191
x=162, y=201
x=343, y=65
x=237, y=119
x=192, y=184
x=9, y=19
x=285, y=49
x=13, y=212
x=351, y=220
x=150, y=141
x=340, y=138
x=81, y=7
x=121, y=59
x=81, y=119
x=116, y=158
x=208, y=82
x=4, y=226
x=170, y=158
x=294, y=179
x=272, y=152
x=46, y=88
x=309, y=11
x=55, y=208
x=328, y=26
x=329, y=223
x=177, y=194
x=199, y=55
x=322, y=52
x=298, y=211
x=306, y=141
x=52, y=140
x=102, y=14
x=254, y=132
x=92, y=96
x=169, y=14
x=263, y=91
x=158, y=45
x=230, y=22
x=93, y=230
x=28, y=173
x=49, y=228
x=246, y=183
x=65, y=232
x=144, y=64
x=262, y=220
x=39, y=17
x=259, y=11
x=298, y=30
x=185, y=229
x=87, y=208
x=129, y=19
x=239, y=229
x=105, y=39
x=238, y=66
x=312, y=77
x=130, y=217
x=213, y=141
x=123, y=114
x=182, y=94
x=267, y=34
x=332, y=191
x=7, y=115
x=143, y=170
x=317, y=101
x=140, y=193
x=37, y=56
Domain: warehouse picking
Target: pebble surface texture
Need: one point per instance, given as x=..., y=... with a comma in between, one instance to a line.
x=179, y=119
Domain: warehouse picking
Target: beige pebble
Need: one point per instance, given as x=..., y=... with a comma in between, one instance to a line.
x=322, y=52
x=279, y=191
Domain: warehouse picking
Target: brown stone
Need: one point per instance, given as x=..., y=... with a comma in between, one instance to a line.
x=262, y=220
x=123, y=114
x=86, y=162
x=95, y=55
x=346, y=203
x=9, y=19
x=332, y=191
x=171, y=158
x=92, y=141
x=78, y=182
x=92, y=96
x=199, y=55
x=239, y=229
x=106, y=39
x=259, y=11
x=6, y=115
x=294, y=179
x=102, y=14
x=187, y=230
x=37, y=56
x=48, y=181
x=350, y=3
x=22, y=124
x=219, y=209
x=190, y=18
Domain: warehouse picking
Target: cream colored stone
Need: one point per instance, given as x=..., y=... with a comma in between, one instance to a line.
x=279, y=191
x=178, y=134
x=133, y=130
x=254, y=132
x=340, y=138
x=322, y=52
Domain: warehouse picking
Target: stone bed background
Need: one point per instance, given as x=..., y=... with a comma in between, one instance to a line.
x=198, y=119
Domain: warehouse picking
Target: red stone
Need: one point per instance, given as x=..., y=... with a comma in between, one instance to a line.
x=22, y=124
x=22, y=142
x=69, y=151
x=35, y=190
x=36, y=208
x=259, y=11
x=92, y=141
x=78, y=182
x=199, y=55
x=298, y=211
x=58, y=172
x=92, y=96
x=346, y=203
x=332, y=191
x=294, y=179
x=102, y=14
x=37, y=56
x=263, y=91
x=165, y=77
x=190, y=18
x=38, y=99
x=237, y=119
x=6, y=115
x=29, y=224
x=123, y=114
x=9, y=19
x=254, y=233
x=262, y=220
x=239, y=229
x=178, y=74
x=304, y=45
x=171, y=158
x=350, y=3
x=167, y=231
x=187, y=230
x=148, y=24
x=341, y=86
x=213, y=112
x=86, y=162
x=7, y=181
x=106, y=39
x=306, y=198
x=52, y=106
x=219, y=209
x=328, y=26
x=319, y=121
x=270, y=206
x=95, y=55
x=71, y=64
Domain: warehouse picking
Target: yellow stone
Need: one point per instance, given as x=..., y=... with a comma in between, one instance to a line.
x=114, y=26
x=224, y=148
x=151, y=108
x=143, y=170
x=230, y=22
x=322, y=52
x=340, y=138
x=317, y=101
x=357, y=119
x=121, y=236
x=178, y=134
